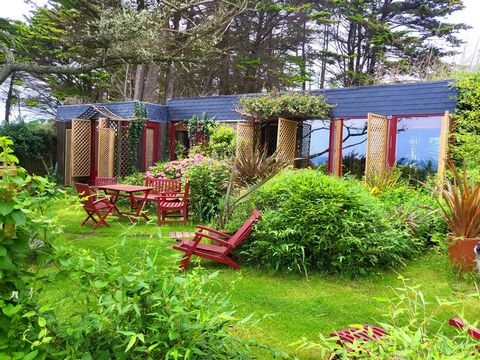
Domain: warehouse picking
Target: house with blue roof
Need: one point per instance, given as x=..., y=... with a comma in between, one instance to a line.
x=414, y=112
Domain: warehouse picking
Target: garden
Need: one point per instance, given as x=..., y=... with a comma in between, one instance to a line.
x=328, y=253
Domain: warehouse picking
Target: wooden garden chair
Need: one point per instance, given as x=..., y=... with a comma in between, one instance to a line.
x=223, y=244
x=161, y=186
x=173, y=204
x=93, y=205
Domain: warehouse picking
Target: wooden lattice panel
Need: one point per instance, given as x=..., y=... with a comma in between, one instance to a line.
x=68, y=157
x=444, y=138
x=124, y=158
x=245, y=139
x=106, y=152
x=287, y=139
x=102, y=123
x=377, y=141
x=81, y=147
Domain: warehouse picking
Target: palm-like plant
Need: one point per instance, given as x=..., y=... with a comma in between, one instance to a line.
x=461, y=206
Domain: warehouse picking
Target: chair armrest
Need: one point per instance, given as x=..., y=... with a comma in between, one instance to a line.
x=103, y=199
x=218, y=232
x=200, y=234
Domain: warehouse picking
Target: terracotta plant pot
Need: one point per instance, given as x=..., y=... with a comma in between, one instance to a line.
x=462, y=254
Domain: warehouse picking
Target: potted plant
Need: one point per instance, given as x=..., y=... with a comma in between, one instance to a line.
x=461, y=210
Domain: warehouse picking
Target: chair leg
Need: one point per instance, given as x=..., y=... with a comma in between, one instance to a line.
x=102, y=218
x=90, y=216
x=184, y=262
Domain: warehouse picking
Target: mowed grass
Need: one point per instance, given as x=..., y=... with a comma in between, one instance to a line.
x=292, y=306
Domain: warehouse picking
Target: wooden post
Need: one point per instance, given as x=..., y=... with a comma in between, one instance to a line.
x=119, y=149
x=443, y=151
x=335, y=152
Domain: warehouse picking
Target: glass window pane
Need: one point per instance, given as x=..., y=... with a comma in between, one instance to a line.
x=319, y=142
x=354, y=147
x=418, y=140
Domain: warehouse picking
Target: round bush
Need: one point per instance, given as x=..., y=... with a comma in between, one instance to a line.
x=312, y=221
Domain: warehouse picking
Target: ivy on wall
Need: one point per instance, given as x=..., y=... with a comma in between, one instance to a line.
x=290, y=105
x=467, y=121
x=199, y=128
x=135, y=133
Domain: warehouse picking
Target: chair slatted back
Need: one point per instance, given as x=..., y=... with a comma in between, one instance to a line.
x=87, y=196
x=245, y=229
x=100, y=181
x=163, y=185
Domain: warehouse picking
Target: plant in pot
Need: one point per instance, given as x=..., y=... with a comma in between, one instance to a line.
x=461, y=210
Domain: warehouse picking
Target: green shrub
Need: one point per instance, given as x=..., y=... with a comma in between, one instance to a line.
x=145, y=311
x=137, y=178
x=222, y=142
x=312, y=221
x=416, y=210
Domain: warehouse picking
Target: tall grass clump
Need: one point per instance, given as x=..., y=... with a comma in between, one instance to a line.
x=312, y=221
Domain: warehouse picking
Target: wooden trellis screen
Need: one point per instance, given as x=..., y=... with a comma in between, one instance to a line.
x=81, y=148
x=245, y=139
x=444, y=137
x=68, y=157
x=377, y=141
x=287, y=139
x=106, y=152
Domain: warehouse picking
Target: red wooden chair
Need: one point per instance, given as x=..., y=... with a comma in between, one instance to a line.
x=173, y=204
x=225, y=243
x=99, y=181
x=101, y=207
x=459, y=323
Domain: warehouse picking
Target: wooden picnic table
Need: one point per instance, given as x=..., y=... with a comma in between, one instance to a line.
x=130, y=190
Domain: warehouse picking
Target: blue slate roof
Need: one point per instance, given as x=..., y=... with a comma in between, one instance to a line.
x=124, y=109
x=401, y=99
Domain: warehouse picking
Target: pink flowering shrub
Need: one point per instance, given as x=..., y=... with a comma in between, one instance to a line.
x=208, y=181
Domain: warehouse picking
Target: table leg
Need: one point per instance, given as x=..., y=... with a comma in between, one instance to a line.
x=141, y=205
x=113, y=200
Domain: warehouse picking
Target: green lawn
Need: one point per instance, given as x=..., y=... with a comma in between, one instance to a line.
x=297, y=307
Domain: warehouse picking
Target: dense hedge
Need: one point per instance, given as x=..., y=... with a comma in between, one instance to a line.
x=313, y=221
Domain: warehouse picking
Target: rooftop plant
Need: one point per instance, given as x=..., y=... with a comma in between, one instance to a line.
x=289, y=105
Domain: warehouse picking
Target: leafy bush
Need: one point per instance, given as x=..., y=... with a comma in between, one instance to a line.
x=290, y=105
x=208, y=180
x=409, y=334
x=145, y=311
x=137, y=178
x=312, y=221
x=34, y=144
x=416, y=210
x=222, y=142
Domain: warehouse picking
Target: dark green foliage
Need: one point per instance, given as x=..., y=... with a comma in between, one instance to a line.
x=467, y=121
x=289, y=105
x=135, y=133
x=416, y=210
x=144, y=311
x=312, y=221
x=136, y=178
x=34, y=144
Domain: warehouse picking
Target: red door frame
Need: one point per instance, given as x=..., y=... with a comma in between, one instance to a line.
x=392, y=136
x=154, y=126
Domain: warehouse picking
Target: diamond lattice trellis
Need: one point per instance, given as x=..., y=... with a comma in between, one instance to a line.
x=377, y=141
x=81, y=147
x=287, y=139
x=245, y=139
x=106, y=152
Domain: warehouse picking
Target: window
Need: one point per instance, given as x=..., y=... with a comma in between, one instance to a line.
x=418, y=140
x=319, y=142
x=354, y=146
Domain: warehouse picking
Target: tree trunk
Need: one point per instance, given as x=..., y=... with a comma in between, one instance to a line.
x=170, y=82
x=8, y=102
x=151, y=84
x=139, y=83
